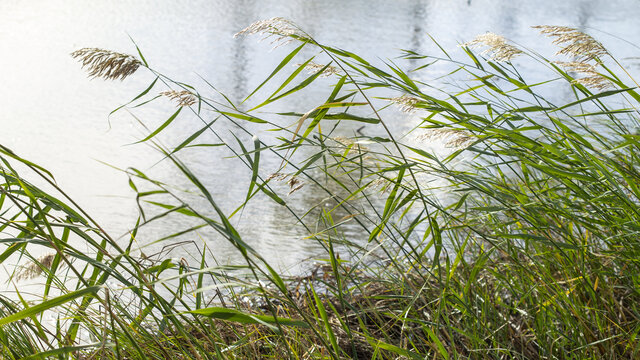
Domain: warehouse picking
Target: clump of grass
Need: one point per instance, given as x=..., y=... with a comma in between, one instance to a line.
x=526, y=249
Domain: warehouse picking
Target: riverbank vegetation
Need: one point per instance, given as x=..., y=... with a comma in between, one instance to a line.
x=501, y=224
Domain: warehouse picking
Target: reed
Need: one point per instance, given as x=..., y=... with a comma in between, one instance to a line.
x=520, y=242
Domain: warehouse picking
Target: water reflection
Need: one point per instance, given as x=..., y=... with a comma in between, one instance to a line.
x=55, y=116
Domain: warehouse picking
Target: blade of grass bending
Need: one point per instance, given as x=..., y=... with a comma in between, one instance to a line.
x=324, y=108
x=255, y=166
x=438, y=343
x=246, y=318
x=379, y=344
x=55, y=263
x=270, y=194
x=143, y=93
x=403, y=76
x=323, y=111
x=201, y=276
x=295, y=133
x=327, y=324
x=284, y=62
x=244, y=117
x=38, y=325
x=61, y=351
x=592, y=97
x=164, y=125
x=388, y=207
x=194, y=136
x=46, y=305
x=285, y=83
x=296, y=88
x=13, y=248
x=5, y=150
x=144, y=61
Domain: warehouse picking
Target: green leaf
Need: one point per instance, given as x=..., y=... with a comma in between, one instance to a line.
x=255, y=165
x=194, y=136
x=62, y=350
x=438, y=343
x=346, y=116
x=164, y=125
x=592, y=97
x=304, y=83
x=246, y=318
x=379, y=344
x=46, y=305
x=243, y=117
x=284, y=62
x=325, y=320
x=273, y=196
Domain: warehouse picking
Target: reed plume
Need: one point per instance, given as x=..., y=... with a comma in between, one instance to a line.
x=106, y=64
x=592, y=79
x=406, y=103
x=36, y=268
x=454, y=138
x=294, y=182
x=313, y=68
x=574, y=42
x=181, y=98
x=497, y=47
x=277, y=27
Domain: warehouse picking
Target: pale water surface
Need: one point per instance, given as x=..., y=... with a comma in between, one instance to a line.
x=53, y=115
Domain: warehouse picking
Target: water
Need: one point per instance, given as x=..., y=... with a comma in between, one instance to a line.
x=52, y=115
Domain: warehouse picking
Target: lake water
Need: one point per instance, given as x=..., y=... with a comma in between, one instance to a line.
x=53, y=115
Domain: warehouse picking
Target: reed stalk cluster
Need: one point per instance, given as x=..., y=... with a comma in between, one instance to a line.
x=520, y=242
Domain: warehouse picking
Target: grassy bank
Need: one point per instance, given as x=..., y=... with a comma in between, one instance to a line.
x=503, y=225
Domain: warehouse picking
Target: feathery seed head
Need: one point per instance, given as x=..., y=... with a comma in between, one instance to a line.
x=382, y=184
x=277, y=27
x=454, y=138
x=106, y=64
x=574, y=42
x=313, y=68
x=597, y=82
x=406, y=103
x=182, y=98
x=294, y=183
x=593, y=78
x=496, y=45
x=576, y=66
x=36, y=268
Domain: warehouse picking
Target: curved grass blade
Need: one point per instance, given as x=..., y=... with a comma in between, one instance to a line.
x=46, y=305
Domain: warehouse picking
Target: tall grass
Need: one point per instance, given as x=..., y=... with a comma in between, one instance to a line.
x=517, y=239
